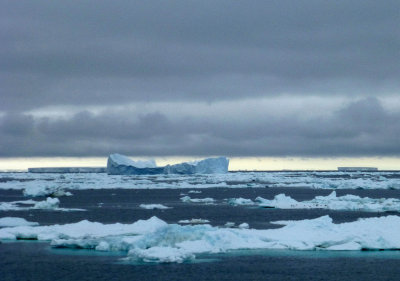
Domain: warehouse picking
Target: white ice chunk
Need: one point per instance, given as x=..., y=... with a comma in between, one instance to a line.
x=194, y=221
x=13, y=221
x=240, y=201
x=206, y=200
x=244, y=225
x=153, y=206
x=82, y=229
x=45, y=190
x=332, y=202
x=50, y=203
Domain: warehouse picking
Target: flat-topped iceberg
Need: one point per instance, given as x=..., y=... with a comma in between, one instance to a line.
x=154, y=240
x=118, y=164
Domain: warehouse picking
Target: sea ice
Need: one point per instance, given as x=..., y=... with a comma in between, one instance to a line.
x=45, y=190
x=240, y=201
x=332, y=202
x=207, y=200
x=33, y=183
x=50, y=203
x=194, y=221
x=23, y=205
x=154, y=206
x=244, y=225
x=154, y=240
x=12, y=222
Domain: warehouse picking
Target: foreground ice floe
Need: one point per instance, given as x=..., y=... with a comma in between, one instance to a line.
x=154, y=240
x=332, y=202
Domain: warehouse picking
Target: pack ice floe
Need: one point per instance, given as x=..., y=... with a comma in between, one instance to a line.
x=331, y=202
x=154, y=240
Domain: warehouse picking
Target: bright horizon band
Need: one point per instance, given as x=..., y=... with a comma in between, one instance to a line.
x=236, y=163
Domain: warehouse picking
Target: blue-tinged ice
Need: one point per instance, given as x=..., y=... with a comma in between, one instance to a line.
x=218, y=165
x=118, y=164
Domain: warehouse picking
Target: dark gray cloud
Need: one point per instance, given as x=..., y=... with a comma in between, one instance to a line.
x=115, y=55
x=111, y=52
x=360, y=128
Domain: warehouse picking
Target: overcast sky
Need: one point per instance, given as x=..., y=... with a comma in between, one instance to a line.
x=191, y=78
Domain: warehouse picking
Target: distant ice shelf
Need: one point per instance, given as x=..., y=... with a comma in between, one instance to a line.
x=68, y=170
x=357, y=169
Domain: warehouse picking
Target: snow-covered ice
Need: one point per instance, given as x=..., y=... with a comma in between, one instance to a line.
x=194, y=221
x=206, y=200
x=154, y=206
x=13, y=221
x=23, y=205
x=49, y=203
x=45, y=184
x=333, y=202
x=244, y=225
x=156, y=241
x=45, y=190
x=240, y=201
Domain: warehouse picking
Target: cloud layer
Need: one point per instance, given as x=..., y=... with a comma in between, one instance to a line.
x=94, y=60
x=360, y=128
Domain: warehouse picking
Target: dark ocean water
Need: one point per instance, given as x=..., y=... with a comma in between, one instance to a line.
x=38, y=261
